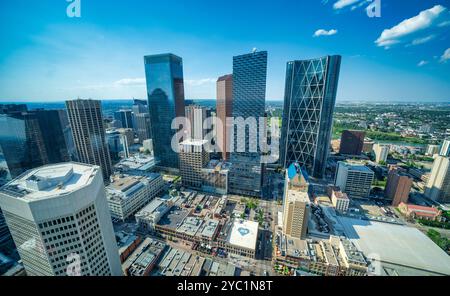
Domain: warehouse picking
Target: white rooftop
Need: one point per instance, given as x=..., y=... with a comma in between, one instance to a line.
x=50, y=181
x=244, y=234
x=397, y=244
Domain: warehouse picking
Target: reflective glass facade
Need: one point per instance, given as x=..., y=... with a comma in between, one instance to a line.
x=165, y=89
x=249, y=96
x=309, y=102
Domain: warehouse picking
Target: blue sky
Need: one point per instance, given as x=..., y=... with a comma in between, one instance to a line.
x=47, y=56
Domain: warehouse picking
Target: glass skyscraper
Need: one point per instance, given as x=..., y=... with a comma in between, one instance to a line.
x=249, y=98
x=165, y=89
x=310, y=97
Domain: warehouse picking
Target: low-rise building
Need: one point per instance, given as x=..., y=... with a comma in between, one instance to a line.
x=420, y=212
x=239, y=237
x=144, y=258
x=340, y=201
x=149, y=216
x=137, y=165
x=128, y=194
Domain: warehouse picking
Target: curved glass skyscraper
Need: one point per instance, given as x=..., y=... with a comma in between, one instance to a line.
x=165, y=89
x=310, y=96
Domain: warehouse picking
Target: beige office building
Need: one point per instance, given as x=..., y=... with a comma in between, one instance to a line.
x=438, y=187
x=193, y=157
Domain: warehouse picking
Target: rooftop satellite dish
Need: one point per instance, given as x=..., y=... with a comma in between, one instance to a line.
x=254, y=49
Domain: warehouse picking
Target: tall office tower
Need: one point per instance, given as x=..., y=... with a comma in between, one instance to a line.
x=296, y=202
x=249, y=97
x=432, y=150
x=197, y=116
x=165, y=89
x=125, y=117
x=438, y=187
x=445, y=150
x=352, y=142
x=58, y=217
x=224, y=110
x=310, y=96
x=5, y=235
x=398, y=187
x=354, y=179
x=381, y=152
x=51, y=125
x=193, y=157
x=85, y=117
x=142, y=126
x=68, y=135
x=139, y=106
x=22, y=144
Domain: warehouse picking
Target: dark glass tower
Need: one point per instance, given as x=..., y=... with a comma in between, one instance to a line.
x=310, y=96
x=249, y=97
x=21, y=144
x=165, y=89
x=125, y=117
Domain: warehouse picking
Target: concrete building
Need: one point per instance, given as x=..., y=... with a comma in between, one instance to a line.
x=59, y=219
x=352, y=142
x=398, y=187
x=197, y=116
x=354, y=179
x=128, y=194
x=445, y=150
x=296, y=203
x=142, y=261
x=239, y=237
x=149, y=216
x=193, y=158
x=86, y=121
x=381, y=152
x=368, y=146
x=142, y=126
x=137, y=165
x=432, y=150
x=340, y=201
x=224, y=110
x=147, y=145
x=438, y=186
x=215, y=177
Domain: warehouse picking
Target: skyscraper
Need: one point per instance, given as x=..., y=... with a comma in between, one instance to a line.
x=59, y=218
x=165, y=89
x=310, y=97
x=381, y=152
x=22, y=144
x=438, y=187
x=125, y=117
x=224, y=110
x=85, y=117
x=249, y=97
x=142, y=126
x=51, y=125
x=354, y=179
x=445, y=149
x=296, y=203
x=197, y=116
x=352, y=142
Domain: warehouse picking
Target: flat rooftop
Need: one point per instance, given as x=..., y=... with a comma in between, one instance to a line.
x=50, y=181
x=397, y=245
x=296, y=195
x=174, y=218
x=356, y=166
x=243, y=234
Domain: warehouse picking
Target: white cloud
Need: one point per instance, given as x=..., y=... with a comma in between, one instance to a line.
x=419, y=41
x=423, y=20
x=130, y=82
x=446, y=56
x=200, y=82
x=344, y=3
x=422, y=63
x=322, y=32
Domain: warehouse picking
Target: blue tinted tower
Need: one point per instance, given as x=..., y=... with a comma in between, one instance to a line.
x=249, y=98
x=165, y=90
x=310, y=97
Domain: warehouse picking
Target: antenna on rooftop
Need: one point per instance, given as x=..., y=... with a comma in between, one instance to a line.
x=254, y=50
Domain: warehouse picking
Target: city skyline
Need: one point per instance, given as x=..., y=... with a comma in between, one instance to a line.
x=91, y=56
